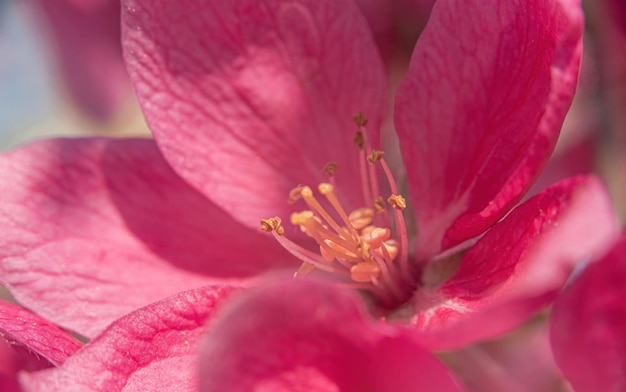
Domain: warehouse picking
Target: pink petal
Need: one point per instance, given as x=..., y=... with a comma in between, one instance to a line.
x=303, y=335
x=21, y=327
x=85, y=36
x=521, y=362
x=93, y=229
x=151, y=349
x=480, y=109
x=248, y=99
x=588, y=325
x=518, y=266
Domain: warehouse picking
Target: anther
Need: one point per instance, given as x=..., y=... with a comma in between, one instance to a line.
x=397, y=202
x=330, y=169
x=376, y=237
x=361, y=217
x=360, y=120
x=325, y=188
x=364, y=272
x=272, y=224
x=375, y=156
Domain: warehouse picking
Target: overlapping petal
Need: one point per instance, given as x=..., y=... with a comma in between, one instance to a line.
x=23, y=328
x=518, y=266
x=248, y=99
x=588, y=325
x=480, y=109
x=94, y=228
x=303, y=335
x=151, y=349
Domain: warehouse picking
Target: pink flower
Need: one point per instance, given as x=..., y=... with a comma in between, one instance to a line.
x=247, y=100
x=588, y=325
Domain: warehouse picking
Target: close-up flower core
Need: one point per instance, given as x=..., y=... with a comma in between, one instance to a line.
x=364, y=249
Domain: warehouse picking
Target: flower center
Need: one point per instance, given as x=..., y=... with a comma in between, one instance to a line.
x=361, y=249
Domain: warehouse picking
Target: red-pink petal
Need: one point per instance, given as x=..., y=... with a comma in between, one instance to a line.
x=151, y=349
x=480, y=109
x=302, y=335
x=518, y=266
x=248, y=99
x=23, y=328
x=588, y=325
x=94, y=228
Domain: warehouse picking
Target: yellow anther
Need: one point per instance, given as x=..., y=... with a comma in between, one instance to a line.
x=375, y=237
x=392, y=249
x=397, y=201
x=361, y=217
x=306, y=192
x=375, y=156
x=360, y=120
x=272, y=224
x=364, y=272
x=300, y=218
x=330, y=169
x=325, y=188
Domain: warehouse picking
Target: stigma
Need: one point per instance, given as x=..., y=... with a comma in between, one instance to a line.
x=360, y=248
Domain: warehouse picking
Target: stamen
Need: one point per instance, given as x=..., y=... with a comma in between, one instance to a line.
x=330, y=169
x=272, y=225
x=361, y=217
x=328, y=191
x=397, y=202
x=360, y=120
x=331, y=243
x=365, y=272
x=307, y=195
x=375, y=156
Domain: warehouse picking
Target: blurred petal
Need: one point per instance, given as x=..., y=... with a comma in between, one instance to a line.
x=519, y=265
x=520, y=362
x=248, y=99
x=151, y=349
x=21, y=327
x=588, y=326
x=480, y=109
x=85, y=36
x=302, y=335
x=94, y=228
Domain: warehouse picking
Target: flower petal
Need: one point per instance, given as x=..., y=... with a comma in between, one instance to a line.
x=302, y=335
x=93, y=229
x=519, y=265
x=86, y=39
x=588, y=325
x=480, y=109
x=151, y=349
x=248, y=99
x=23, y=328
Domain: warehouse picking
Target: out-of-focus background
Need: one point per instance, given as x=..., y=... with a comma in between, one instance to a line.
x=61, y=71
